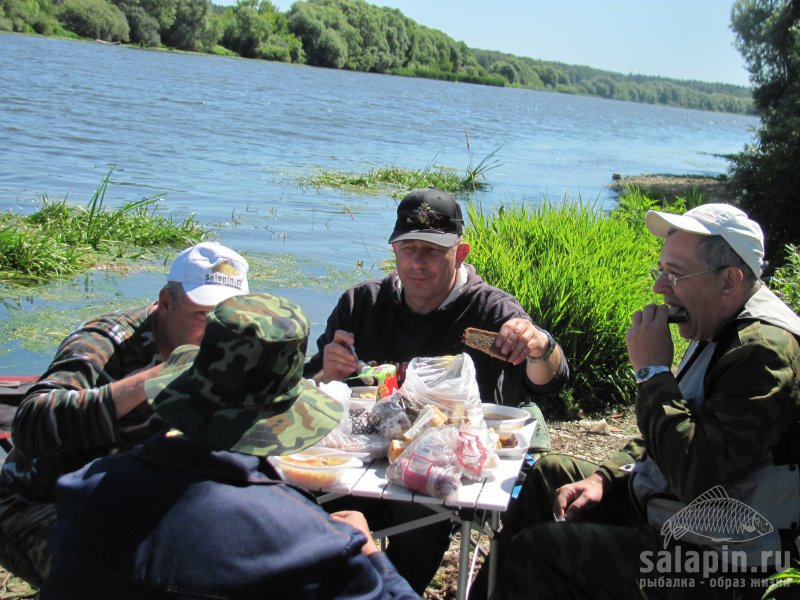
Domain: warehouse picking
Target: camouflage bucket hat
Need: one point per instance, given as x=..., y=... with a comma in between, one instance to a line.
x=242, y=389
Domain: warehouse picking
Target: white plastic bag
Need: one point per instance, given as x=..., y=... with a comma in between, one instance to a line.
x=429, y=464
x=340, y=392
x=342, y=437
x=447, y=382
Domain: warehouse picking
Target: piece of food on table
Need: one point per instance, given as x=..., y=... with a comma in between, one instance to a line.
x=507, y=440
x=396, y=448
x=429, y=465
x=430, y=416
x=482, y=340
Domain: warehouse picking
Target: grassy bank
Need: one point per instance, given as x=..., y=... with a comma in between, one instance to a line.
x=580, y=274
x=398, y=181
x=61, y=240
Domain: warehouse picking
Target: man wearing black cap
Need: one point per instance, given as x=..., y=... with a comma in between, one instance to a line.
x=422, y=309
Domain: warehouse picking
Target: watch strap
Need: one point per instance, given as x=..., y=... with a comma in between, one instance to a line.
x=649, y=371
x=551, y=346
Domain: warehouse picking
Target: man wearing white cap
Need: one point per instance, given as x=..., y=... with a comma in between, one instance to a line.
x=706, y=503
x=91, y=400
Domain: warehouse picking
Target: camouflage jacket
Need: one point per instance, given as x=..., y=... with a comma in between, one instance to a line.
x=68, y=417
x=739, y=429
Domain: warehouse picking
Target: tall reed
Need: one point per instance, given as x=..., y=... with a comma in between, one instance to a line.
x=62, y=239
x=580, y=274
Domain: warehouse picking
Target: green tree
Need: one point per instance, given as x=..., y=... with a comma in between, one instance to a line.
x=765, y=176
x=96, y=19
x=144, y=28
x=163, y=11
x=28, y=16
x=186, y=33
x=318, y=28
x=352, y=34
x=246, y=30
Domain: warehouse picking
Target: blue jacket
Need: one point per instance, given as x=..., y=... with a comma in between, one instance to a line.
x=177, y=519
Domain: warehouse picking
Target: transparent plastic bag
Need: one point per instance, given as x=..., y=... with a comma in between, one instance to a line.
x=389, y=417
x=429, y=464
x=447, y=382
x=342, y=436
x=340, y=392
x=476, y=451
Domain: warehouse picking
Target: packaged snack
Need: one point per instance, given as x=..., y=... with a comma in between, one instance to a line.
x=429, y=465
x=361, y=421
x=396, y=448
x=389, y=417
x=476, y=450
x=430, y=416
x=382, y=377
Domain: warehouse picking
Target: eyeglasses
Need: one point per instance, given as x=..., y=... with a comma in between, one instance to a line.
x=672, y=279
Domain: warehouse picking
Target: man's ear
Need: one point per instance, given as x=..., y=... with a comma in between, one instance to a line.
x=461, y=253
x=164, y=300
x=733, y=280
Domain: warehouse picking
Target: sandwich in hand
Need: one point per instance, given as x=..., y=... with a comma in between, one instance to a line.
x=482, y=340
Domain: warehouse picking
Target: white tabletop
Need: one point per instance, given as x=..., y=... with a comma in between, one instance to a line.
x=369, y=481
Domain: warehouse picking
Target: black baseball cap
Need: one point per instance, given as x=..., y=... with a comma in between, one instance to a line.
x=429, y=215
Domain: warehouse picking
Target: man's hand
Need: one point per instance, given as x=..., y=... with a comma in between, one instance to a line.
x=519, y=338
x=572, y=498
x=649, y=341
x=358, y=521
x=338, y=360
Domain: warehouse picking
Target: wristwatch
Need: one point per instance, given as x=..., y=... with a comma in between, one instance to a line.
x=551, y=345
x=649, y=371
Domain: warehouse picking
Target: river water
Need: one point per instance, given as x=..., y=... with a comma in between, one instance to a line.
x=230, y=140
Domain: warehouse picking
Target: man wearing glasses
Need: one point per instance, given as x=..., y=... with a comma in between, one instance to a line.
x=422, y=309
x=706, y=503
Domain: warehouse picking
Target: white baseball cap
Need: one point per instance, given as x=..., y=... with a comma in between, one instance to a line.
x=210, y=273
x=733, y=225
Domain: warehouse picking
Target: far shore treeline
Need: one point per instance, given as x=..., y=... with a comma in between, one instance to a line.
x=345, y=34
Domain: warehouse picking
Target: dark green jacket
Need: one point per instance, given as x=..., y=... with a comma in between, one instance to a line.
x=735, y=436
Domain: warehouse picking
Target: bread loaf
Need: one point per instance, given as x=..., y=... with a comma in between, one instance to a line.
x=482, y=340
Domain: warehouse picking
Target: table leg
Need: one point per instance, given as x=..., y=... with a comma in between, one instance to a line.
x=463, y=558
x=494, y=524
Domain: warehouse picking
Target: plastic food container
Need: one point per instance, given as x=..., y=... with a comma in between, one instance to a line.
x=364, y=392
x=502, y=417
x=314, y=471
x=519, y=448
x=364, y=396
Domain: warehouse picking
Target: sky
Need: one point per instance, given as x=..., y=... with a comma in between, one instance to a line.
x=679, y=39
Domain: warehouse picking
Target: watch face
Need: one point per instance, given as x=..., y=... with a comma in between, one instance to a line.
x=649, y=371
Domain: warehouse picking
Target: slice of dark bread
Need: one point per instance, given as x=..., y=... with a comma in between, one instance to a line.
x=482, y=340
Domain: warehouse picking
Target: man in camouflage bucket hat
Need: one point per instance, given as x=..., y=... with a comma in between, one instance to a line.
x=705, y=504
x=90, y=401
x=244, y=390
x=205, y=513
